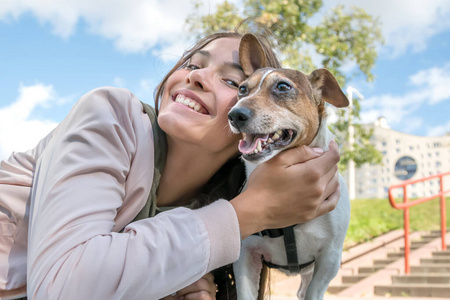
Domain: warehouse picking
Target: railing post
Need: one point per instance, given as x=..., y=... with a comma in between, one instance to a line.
x=406, y=223
x=443, y=214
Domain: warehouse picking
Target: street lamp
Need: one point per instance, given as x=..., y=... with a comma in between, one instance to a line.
x=351, y=141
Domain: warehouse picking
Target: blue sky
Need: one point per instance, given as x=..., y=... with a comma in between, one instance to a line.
x=54, y=51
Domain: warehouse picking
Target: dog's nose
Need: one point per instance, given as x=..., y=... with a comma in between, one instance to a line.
x=239, y=116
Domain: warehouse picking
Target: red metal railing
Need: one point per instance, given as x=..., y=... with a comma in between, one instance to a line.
x=407, y=204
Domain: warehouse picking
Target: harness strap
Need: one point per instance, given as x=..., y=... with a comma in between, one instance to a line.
x=291, y=249
x=275, y=266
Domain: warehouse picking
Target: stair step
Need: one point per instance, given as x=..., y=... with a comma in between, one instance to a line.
x=384, y=262
x=353, y=278
x=431, y=268
x=412, y=247
x=396, y=254
x=435, y=260
x=443, y=278
x=413, y=290
x=441, y=253
x=369, y=270
x=334, y=289
x=429, y=238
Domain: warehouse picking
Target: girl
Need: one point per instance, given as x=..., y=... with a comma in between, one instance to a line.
x=83, y=185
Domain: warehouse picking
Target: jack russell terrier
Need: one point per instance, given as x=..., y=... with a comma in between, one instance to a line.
x=279, y=109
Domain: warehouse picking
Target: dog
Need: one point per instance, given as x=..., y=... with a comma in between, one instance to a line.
x=278, y=109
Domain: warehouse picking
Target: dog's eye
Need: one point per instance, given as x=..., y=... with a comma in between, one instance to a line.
x=283, y=87
x=242, y=90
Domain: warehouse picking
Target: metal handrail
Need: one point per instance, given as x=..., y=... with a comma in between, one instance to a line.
x=407, y=204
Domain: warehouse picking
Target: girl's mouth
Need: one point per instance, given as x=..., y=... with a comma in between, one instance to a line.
x=192, y=104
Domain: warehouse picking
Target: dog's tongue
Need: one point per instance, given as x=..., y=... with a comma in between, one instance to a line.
x=250, y=141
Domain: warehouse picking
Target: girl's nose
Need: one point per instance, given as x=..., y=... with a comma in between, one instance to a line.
x=198, y=79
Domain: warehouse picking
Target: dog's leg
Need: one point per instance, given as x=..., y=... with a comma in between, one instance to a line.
x=325, y=269
x=247, y=269
x=307, y=275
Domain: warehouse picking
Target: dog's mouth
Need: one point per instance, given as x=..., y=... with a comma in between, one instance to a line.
x=255, y=146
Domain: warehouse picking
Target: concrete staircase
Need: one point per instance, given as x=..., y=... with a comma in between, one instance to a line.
x=379, y=272
x=431, y=278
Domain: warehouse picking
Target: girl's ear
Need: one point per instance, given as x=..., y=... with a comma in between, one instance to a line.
x=251, y=54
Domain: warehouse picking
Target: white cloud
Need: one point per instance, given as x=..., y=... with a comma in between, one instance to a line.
x=435, y=81
x=406, y=24
x=429, y=87
x=18, y=130
x=135, y=26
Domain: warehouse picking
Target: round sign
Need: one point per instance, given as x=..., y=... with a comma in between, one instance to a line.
x=405, y=167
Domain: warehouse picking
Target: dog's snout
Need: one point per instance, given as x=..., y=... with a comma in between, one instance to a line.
x=239, y=116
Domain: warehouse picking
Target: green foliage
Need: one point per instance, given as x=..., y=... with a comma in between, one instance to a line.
x=342, y=37
x=373, y=217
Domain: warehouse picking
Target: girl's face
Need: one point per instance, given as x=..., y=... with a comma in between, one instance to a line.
x=197, y=98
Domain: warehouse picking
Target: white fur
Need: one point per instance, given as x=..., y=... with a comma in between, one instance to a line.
x=320, y=239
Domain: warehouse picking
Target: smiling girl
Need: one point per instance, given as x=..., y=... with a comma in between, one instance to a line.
x=83, y=185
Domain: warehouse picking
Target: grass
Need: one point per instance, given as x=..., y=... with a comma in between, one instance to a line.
x=373, y=217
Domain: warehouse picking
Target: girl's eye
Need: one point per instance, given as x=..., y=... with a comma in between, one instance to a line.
x=192, y=67
x=231, y=82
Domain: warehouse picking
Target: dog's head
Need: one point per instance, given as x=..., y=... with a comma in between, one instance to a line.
x=278, y=108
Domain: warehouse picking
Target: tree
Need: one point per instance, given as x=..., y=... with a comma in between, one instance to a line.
x=341, y=38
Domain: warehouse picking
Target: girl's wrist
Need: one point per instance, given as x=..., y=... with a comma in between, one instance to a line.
x=250, y=215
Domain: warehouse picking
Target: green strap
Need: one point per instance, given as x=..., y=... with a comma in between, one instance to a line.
x=160, y=149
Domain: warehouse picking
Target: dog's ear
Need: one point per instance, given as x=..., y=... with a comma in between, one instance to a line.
x=251, y=54
x=326, y=87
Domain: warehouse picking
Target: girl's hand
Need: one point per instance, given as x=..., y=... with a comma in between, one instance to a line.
x=294, y=187
x=202, y=289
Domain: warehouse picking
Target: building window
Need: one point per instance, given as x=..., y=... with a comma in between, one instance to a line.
x=437, y=154
x=411, y=148
x=398, y=150
x=438, y=164
x=397, y=141
x=384, y=144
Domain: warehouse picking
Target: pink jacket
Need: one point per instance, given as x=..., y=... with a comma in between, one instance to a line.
x=63, y=204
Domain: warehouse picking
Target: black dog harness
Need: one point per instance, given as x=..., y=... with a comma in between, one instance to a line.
x=289, y=244
x=291, y=249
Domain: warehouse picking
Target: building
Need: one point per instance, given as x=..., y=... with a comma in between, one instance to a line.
x=405, y=156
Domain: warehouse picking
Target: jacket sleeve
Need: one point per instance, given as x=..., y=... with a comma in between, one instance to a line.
x=87, y=182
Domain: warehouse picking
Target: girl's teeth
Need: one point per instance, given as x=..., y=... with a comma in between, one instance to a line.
x=188, y=102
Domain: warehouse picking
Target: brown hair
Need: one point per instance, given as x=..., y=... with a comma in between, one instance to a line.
x=271, y=57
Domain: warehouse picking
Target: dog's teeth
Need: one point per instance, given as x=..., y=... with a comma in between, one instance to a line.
x=269, y=141
x=259, y=146
x=279, y=131
x=256, y=151
x=276, y=136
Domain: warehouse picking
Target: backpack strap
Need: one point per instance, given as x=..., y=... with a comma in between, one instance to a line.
x=160, y=150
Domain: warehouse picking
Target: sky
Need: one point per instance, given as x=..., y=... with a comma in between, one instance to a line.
x=54, y=51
